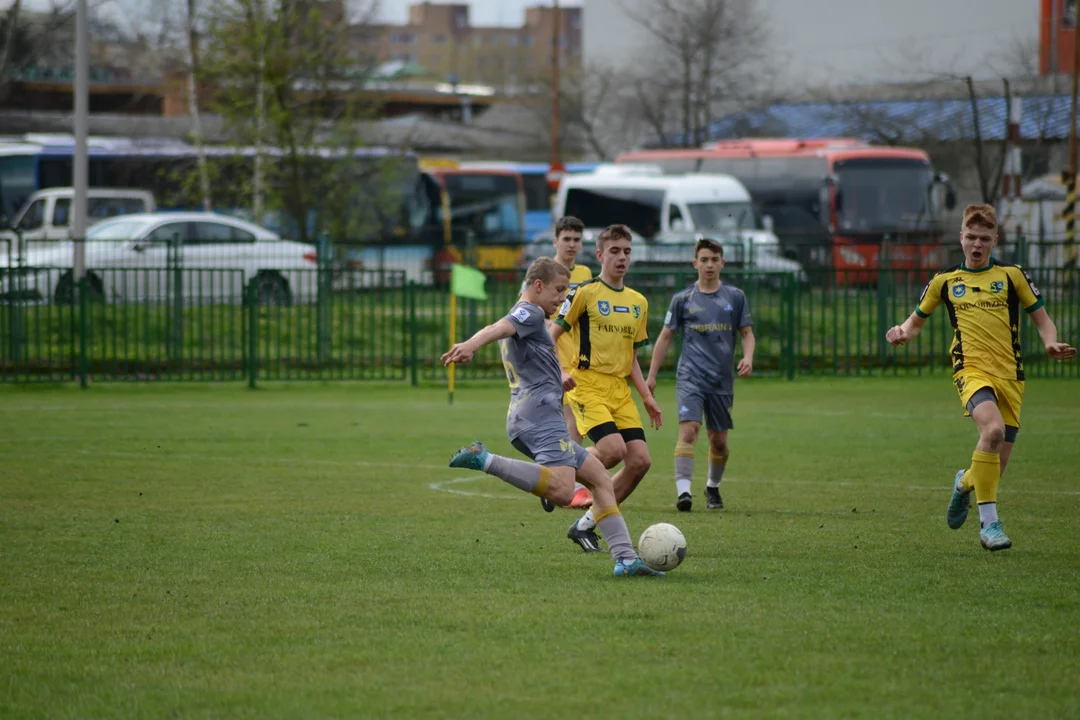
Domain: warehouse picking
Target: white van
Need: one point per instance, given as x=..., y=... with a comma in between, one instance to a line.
x=668, y=211
x=46, y=215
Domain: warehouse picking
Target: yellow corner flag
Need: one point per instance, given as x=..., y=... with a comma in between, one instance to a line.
x=468, y=283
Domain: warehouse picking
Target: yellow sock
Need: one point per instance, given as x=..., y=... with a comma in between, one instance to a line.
x=601, y=513
x=985, y=473
x=683, y=449
x=542, y=484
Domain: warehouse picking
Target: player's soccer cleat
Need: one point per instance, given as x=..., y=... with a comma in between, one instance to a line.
x=685, y=502
x=637, y=567
x=958, y=503
x=587, y=539
x=472, y=457
x=582, y=499
x=993, y=537
x=713, y=501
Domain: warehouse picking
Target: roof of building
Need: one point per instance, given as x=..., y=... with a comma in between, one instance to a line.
x=896, y=121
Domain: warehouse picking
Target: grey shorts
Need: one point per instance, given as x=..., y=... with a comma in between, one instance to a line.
x=549, y=444
x=985, y=394
x=693, y=403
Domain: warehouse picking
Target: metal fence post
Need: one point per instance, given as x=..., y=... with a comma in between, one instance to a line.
x=411, y=330
x=175, y=274
x=323, y=278
x=250, y=295
x=790, y=287
x=83, y=291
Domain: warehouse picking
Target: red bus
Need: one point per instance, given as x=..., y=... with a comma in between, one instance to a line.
x=834, y=203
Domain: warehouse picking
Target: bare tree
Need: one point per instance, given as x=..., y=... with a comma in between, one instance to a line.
x=11, y=22
x=711, y=46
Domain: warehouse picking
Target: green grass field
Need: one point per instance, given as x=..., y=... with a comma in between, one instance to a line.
x=303, y=551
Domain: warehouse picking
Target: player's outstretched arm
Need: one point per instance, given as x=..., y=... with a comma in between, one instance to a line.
x=463, y=352
x=663, y=343
x=1048, y=332
x=749, y=344
x=900, y=334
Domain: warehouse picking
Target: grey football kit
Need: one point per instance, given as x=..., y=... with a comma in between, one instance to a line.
x=705, y=379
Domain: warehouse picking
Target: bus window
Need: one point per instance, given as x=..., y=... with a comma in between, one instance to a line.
x=486, y=204
x=17, y=183
x=537, y=192
x=600, y=207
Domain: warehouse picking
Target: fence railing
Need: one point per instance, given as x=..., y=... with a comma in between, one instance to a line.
x=176, y=323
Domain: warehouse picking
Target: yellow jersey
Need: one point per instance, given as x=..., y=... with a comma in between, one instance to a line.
x=567, y=345
x=610, y=325
x=984, y=310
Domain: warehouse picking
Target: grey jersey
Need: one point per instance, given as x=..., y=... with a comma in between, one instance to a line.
x=709, y=323
x=532, y=369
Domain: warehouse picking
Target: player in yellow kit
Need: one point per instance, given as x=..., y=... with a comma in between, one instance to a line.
x=569, y=233
x=610, y=322
x=984, y=298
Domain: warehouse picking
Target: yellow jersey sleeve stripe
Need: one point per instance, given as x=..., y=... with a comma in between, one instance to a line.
x=920, y=313
x=1038, y=304
x=641, y=343
x=562, y=323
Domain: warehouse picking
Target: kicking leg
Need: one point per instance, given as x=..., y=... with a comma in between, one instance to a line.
x=608, y=449
x=635, y=465
x=985, y=473
x=582, y=498
x=556, y=484
x=610, y=521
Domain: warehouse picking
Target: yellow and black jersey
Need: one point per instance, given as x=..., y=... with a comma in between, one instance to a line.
x=609, y=323
x=984, y=310
x=567, y=345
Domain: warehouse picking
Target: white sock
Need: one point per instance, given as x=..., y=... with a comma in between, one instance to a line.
x=586, y=521
x=713, y=483
x=578, y=486
x=487, y=462
x=682, y=485
x=987, y=513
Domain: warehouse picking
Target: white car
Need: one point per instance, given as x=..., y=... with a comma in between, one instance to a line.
x=134, y=258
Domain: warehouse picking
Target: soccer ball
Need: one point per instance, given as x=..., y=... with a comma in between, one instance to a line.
x=662, y=546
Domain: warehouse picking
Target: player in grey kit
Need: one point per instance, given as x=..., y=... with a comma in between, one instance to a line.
x=710, y=315
x=535, y=422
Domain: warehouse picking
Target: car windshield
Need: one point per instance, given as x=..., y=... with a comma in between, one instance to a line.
x=116, y=230
x=723, y=216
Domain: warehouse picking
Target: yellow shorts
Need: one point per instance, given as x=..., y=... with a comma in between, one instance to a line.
x=600, y=399
x=1010, y=393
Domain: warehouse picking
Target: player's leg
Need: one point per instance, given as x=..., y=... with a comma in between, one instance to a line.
x=718, y=459
x=608, y=447
x=555, y=484
x=690, y=401
x=636, y=464
x=1010, y=394
x=718, y=423
x=684, y=462
x=985, y=471
x=582, y=498
x=610, y=520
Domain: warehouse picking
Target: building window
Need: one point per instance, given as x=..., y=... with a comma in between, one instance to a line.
x=438, y=39
x=527, y=41
x=512, y=40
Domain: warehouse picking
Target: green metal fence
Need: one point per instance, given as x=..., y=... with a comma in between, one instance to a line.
x=216, y=324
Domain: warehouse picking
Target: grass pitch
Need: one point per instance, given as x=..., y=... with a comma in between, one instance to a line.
x=300, y=551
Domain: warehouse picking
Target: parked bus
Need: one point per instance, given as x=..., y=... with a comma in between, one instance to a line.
x=538, y=195
x=838, y=203
x=481, y=213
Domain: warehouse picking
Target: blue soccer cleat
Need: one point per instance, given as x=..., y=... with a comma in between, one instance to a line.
x=993, y=537
x=472, y=457
x=637, y=567
x=958, y=503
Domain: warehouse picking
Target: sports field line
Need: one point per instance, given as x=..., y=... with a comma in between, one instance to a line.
x=76, y=454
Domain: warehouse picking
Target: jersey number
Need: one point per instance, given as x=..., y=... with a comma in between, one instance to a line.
x=511, y=373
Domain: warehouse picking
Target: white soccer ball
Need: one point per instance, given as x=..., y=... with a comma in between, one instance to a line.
x=662, y=546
